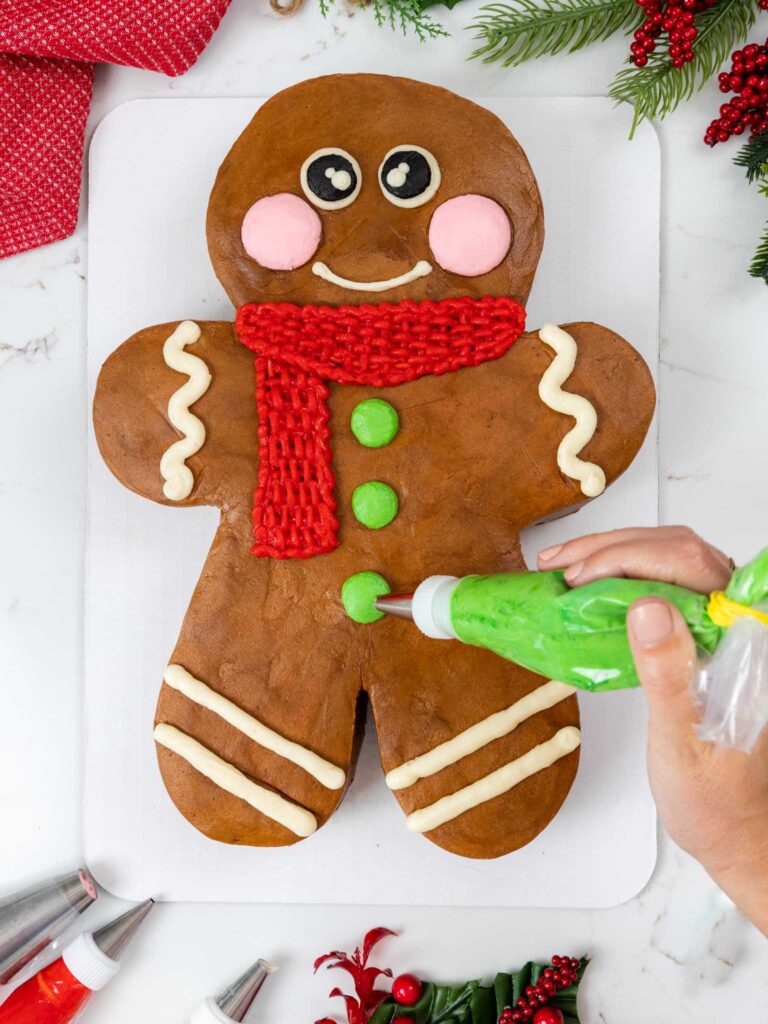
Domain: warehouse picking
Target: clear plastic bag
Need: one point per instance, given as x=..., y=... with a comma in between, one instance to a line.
x=731, y=687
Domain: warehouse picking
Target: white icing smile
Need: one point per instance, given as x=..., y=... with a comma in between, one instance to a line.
x=421, y=269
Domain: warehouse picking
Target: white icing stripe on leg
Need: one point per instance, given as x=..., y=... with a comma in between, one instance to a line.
x=327, y=774
x=590, y=476
x=478, y=736
x=231, y=779
x=498, y=782
x=177, y=475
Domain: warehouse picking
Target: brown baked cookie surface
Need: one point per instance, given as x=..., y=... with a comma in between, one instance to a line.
x=260, y=717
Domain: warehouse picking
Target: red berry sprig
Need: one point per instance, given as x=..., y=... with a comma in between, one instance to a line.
x=676, y=18
x=748, y=78
x=561, y=974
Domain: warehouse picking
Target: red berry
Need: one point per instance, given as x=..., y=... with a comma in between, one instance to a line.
x=548, y=1015
x=325, y=1020
x=406, y=990
x=406, y=1020
x=640, y=60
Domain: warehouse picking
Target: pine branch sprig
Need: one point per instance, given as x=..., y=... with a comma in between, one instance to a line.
x=759, y=265
x=521, y=30
x=657, y=89
x=405, y=15
x=754, y=157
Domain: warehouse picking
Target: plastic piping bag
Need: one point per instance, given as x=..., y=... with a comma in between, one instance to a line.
x=579, y=636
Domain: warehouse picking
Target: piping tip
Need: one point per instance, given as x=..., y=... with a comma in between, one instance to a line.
x=37, y=916
x=239, y=998
x=399, y=605
x=79, y=889
x=112, y=938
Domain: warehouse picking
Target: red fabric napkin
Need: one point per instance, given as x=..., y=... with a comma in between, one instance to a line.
x=47, y=52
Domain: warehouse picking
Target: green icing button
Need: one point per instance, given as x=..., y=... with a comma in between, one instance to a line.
x=374, y=504
x=358, y=594
x=374, y=422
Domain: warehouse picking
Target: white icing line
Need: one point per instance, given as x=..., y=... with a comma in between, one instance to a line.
x=232, y=780
x=421, y=269
x=590, y=476
x=498, y=782
x=478, y=736
x=177, y=475
x=327, y=774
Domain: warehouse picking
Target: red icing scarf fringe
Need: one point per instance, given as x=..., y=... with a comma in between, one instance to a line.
x=299, y=348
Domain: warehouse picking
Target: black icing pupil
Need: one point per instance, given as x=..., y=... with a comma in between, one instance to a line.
x=331, y=177
x=406, y=174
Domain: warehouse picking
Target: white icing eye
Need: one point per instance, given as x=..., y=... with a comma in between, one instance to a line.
x=331, y=178
x=409, y=176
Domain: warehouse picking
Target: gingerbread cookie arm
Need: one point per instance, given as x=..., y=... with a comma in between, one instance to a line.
x=589, y=400
x=174, y=414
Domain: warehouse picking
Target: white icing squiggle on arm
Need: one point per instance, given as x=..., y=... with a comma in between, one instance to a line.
x=177, y=475
x=590, y=476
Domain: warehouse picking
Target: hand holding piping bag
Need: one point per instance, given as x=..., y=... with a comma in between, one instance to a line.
x=712, y=801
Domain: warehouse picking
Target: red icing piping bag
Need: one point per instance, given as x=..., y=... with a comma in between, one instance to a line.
x=33, y=918
x=236, y=1004
x=57, y=993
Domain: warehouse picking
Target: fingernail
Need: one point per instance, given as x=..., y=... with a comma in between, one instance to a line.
x=651, y=622
x=573, y=571
x=548, y=553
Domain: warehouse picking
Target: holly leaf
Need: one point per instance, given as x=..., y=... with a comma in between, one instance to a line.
x=502, y=987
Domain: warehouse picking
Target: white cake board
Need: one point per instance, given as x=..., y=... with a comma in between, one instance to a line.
x=152, y=163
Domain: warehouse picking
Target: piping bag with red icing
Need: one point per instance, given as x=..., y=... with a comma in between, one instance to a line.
x=34, y=918
x=58, y=993
x=579, y=636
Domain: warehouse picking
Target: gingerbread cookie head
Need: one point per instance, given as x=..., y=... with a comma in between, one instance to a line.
x=360, y=188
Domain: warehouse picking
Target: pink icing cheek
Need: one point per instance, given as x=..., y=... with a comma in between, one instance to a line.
x=469, y=235
x=281, y=232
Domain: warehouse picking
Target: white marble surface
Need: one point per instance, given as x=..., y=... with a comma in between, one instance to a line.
x=677, y=952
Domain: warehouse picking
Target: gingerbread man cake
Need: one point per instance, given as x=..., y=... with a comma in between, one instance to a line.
x=377, y=413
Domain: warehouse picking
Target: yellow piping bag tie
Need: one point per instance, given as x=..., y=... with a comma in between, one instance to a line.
x=724, y=612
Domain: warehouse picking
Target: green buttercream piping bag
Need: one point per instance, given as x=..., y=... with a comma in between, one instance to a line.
x=579, y=636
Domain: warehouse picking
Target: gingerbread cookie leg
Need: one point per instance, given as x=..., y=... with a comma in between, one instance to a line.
x=479, y=753
x=255, y=725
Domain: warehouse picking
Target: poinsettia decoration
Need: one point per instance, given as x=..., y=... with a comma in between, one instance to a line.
x=367, y=999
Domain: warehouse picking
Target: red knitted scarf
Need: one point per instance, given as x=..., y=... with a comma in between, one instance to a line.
x=299, y=348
